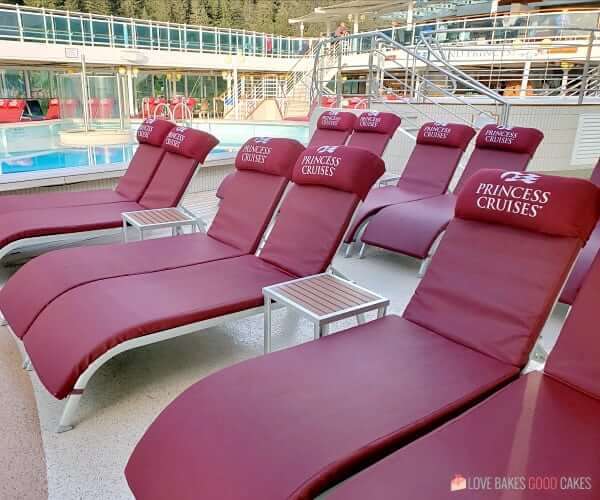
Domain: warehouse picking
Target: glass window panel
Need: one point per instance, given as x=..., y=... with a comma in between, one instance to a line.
x=120, y=34
x=175, y=40
x=9, y=25
x=40, y=84
x=208, y=41
x=260, y=44
x=14, y=83
x=142, y=35
x=76, y=34
x=33, y=26
x=87, y=31
x=101, y=32
x=163, y=34
x=193, y=39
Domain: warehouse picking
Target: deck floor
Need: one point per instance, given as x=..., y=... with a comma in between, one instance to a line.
x=125, y=396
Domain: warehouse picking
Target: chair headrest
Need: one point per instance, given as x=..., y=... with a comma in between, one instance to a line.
x=376, y=122
x=560, y=206
x=513, y=140
x=53, y=101
x=450, y=135
x=153, y=131
x=345, y=168
x=15, y=103
x=269, y=155
x=190, y=142
x=336, y=120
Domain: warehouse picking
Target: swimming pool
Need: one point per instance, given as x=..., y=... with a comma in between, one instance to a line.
x=35, y=148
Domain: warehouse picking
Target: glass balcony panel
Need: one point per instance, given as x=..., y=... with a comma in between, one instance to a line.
x=9, y=25
x=163, y=36
x=193, y=40
x=121, y=37
x=101, y=32
x=61, y=29
x=175, y=41
x=14, y=83
x=87, y=31
x=260, y=44
x=33, y=27
x=76, y=30
x=143, y=38
x=208, y=41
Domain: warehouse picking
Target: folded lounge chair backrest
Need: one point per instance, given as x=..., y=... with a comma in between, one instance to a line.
x=502, y=262
x=185, y=149
x=150, y=135
x=315, y=213
x=575, y=357
x=263, y=168
x=333, y=129
x=503, y=148
x=435, y=157
x=373, y=130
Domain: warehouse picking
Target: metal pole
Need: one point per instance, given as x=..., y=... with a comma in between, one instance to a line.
x=338, y=78
x=84, y=95
x=586, y=68
x=370, y=82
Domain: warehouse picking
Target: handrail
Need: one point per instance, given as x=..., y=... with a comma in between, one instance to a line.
x=166, y=106
x=185, y=109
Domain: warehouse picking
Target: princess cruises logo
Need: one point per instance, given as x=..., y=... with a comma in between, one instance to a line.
x=326, y=149
x=524, y=177
x=262, y=140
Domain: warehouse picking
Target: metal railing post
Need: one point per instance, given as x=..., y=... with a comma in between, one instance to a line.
x=338, y=78
x=586, y=67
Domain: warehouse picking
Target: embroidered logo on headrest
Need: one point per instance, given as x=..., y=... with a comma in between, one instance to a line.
x=261, y=140
x=326, y=149
x=146, y=128
x=256, y=152
x=526, y=177
x=331, y=119
x=437, y=131
x=500, y=135
x=513, y=199
x=176, y=137
x=323, y=163
x=371, y=119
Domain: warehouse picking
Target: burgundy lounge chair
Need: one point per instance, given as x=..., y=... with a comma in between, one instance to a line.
x=333, y=129
x=412, y=228
x=427, y=173
x=185, y=149
x=312, y=415
x=373, y=130
x=122, y=313
x=131, y=187
x=263, y=169
x=582, y=266
x=543, y=428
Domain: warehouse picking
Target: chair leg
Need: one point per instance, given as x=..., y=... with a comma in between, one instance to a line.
x=424, y=266
x=348, y=249
x=72, y=405
x=361, y=252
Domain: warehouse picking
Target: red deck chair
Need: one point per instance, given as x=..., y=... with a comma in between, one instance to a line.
x=53, y=111
x=333, y=129
x=11, y=110
x=412, y=228
x=105, y=107
x=373, y=131
x=264, y=167
x=321, y=411
x=131, y=186
x=428, y=171
x=145, y=308
x=542, y=427
x=582, y=266
x=69, y=108
x=185, y=150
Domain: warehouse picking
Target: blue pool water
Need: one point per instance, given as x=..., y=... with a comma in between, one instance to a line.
x=36, y=148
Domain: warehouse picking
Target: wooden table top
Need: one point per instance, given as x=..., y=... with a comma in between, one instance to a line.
x=325, y=294
x=158, y=216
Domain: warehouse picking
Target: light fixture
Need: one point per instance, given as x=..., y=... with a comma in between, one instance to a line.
x=122, y=70
x=135, y=72
x=566, y=65
x=178, y=75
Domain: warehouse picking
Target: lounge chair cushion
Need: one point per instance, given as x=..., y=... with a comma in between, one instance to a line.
x=151, y=135
x=450, y=135
x=133, y=306
x=190, y=142
x=29, y=223
x=37, y=201
x=269, y=155
x=318, y=411
x=377, y=122
x=535, y=202
x=421, y=221
x=336, y=120
x=574, y=359
x=535, y=428
x=514, y=140
x=340, y=167
x=43, y=279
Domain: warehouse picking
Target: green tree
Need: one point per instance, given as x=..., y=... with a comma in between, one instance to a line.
x=72, y=5
x=128, y=8
x=158, y=10
x=97, y=6
x=198, y=13
x=178, y=11
x=48, y=4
